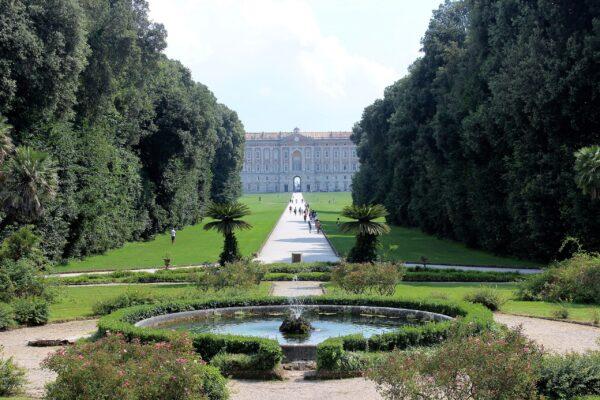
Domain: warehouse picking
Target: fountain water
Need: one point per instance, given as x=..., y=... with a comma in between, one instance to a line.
x=294, y=322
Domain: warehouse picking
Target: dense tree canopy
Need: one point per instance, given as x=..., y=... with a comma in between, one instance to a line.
x=137, y=145
x=477, y=143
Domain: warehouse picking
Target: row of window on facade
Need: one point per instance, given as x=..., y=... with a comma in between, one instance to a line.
x=266, y=153
x=274, y=178
x=297, y=167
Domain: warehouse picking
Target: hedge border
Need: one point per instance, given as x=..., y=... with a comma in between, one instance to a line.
x=266, y=354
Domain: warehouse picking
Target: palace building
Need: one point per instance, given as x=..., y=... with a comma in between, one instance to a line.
x=298, y=161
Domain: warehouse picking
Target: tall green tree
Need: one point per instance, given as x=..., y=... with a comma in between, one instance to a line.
x=226, y=221
x=366, y=229
x=477, y=142
x=229, y=157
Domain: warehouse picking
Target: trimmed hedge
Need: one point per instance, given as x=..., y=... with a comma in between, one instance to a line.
x=266, y=354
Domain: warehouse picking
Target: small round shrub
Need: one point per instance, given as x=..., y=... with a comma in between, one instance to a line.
x=32, y=311
x=7, y=315
x=377, y=278
x=488, y=297
x=12, y=377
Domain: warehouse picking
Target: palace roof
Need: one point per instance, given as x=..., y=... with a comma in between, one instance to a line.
x=282, y=135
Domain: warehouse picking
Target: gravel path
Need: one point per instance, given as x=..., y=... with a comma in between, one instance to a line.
x=15, y=345
x=296, y=288
x=291, y=235
x=555, y=336
x=296, y=388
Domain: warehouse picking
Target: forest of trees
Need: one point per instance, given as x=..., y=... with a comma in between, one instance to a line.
x=120, y=137
x=477, y=142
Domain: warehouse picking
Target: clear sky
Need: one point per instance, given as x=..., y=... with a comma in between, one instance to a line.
x=314, y=64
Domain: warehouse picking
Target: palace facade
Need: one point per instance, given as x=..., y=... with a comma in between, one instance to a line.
x=298, y=161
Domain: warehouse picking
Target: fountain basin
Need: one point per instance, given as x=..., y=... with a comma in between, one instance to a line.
x=329, y=320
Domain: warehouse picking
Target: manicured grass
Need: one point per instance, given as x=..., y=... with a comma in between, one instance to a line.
x=193, y=245
x=406, y=244
x=76, y=302
x=457, y=291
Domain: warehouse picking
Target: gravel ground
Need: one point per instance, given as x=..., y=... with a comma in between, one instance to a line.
x=296, y=388
x=297, y=288
x=15, y=345
x=555, y=336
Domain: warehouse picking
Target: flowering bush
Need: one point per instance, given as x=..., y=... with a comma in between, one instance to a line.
x=236, y=275
x=575, y=279
x=491, y=366
x=379, y=278
x=113, y=368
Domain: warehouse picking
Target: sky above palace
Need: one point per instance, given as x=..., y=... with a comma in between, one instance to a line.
x=314, y=64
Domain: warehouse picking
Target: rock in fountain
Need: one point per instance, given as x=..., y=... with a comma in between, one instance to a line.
x=295, y=324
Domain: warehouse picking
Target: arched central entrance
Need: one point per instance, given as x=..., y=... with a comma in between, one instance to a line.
x=297, y=184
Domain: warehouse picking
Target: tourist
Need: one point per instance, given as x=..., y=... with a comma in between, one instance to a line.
x=318, y=226
x=304, y=217
x=173, y=235
x=295, y=210
x=309, y=226
x=337, y=222
x=290, y=209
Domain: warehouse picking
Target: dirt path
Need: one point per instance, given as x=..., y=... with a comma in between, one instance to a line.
x=15, y=345
x=297, y=288
x=296, y=388
x=555, y=336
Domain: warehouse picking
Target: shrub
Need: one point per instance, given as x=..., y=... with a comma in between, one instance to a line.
x=7, y=316
x=486, y=296
x=380, y=278
x=575, y=279
x=12, y=377
x=561, y=312
x=112, y=368
x=123, y=300
x=239, y=275
x=569, y=376
x=491, y=366
x=31, y=311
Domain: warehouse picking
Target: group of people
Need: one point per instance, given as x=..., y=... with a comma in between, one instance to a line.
x=310, y=216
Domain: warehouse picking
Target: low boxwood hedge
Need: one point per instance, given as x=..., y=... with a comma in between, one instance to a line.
x=266, y=354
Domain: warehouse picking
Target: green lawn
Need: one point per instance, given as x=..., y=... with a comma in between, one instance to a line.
x=76, y=302
x=406, y=244
x=457, y=291
x=193, y=245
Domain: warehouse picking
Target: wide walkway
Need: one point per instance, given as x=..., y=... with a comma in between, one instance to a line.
x=291, y=235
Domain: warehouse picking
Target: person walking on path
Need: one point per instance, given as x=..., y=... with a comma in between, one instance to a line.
x=318, y=225
x=290, y=209
x=304, y=217
x=173, y=233
x=309, y=227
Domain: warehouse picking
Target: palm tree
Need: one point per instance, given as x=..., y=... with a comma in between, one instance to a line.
x=587, y=169
x=367, y=230
x=29, y=181
x=6, y=145
x=227, y=221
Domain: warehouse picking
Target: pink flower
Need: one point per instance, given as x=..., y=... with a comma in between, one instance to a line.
x=181, y=360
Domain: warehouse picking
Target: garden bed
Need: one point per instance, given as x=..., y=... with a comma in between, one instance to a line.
x=245, y=356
